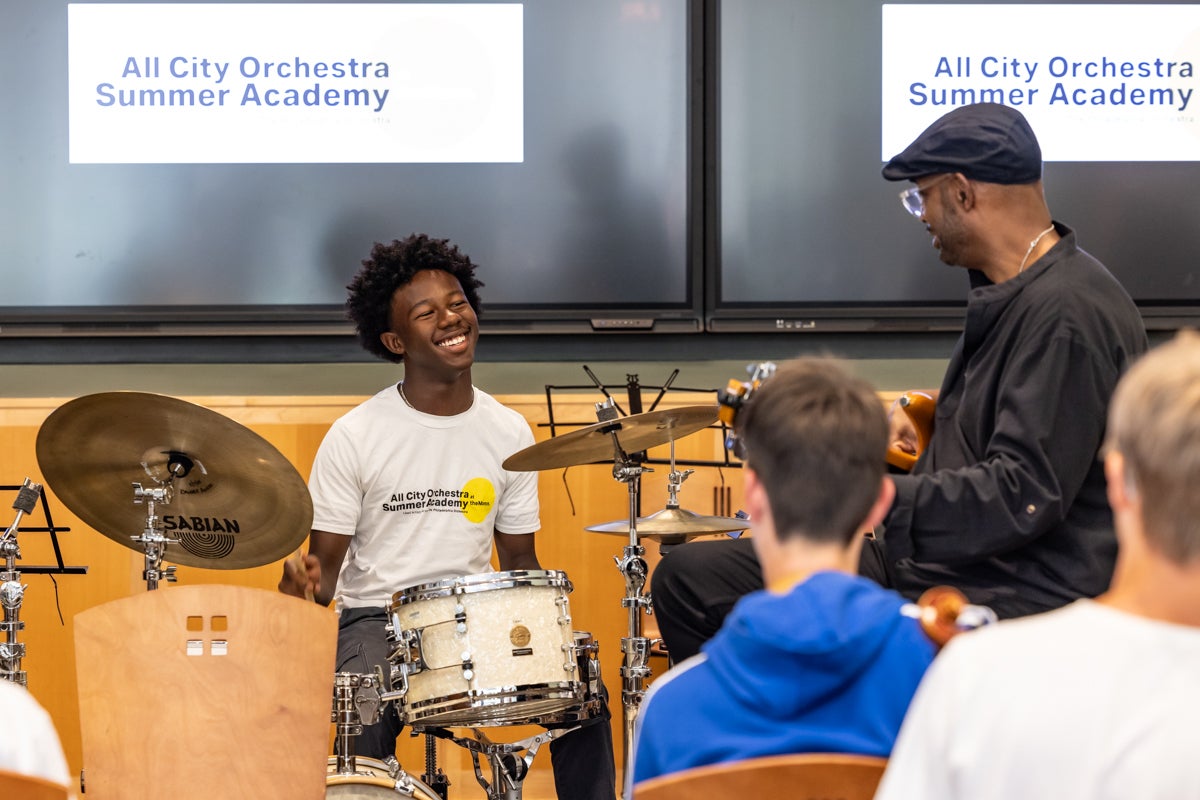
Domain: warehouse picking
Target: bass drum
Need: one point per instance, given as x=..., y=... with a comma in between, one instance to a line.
x=373, y=781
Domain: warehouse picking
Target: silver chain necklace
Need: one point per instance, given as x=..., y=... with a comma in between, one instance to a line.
x=1020, y=269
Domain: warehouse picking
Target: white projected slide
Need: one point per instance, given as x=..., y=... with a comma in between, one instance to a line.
x=295, y=83
x=1097, y=82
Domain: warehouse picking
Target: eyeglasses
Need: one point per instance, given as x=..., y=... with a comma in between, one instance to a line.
x=914, y=201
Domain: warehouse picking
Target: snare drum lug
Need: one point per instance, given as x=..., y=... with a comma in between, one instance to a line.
x=409, y=652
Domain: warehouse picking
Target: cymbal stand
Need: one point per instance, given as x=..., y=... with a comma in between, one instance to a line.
x=152, y=539
x=12, y=591
x=675, y=479
x=632, y=565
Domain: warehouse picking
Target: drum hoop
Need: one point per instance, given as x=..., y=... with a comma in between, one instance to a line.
x=482, y=698
x=486, y=582
x=476, y=699
x=383, y=779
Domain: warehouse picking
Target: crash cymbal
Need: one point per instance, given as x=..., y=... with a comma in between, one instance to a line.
x=236, y=501
x=674, y=525
x=595, y=442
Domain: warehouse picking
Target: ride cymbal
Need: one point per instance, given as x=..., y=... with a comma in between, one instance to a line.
x=673, y=525
x=595, y=443
x=235, y=500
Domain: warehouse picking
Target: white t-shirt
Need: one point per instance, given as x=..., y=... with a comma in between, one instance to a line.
x=422, y=495
x=29, y=744
x=1086, y=702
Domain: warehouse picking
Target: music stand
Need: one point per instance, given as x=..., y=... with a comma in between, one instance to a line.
x=633, y=393
x=12, y=591
x=59, y=568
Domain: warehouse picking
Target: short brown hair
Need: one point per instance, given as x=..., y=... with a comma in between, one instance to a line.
x=817, y=437
x=1154, y=422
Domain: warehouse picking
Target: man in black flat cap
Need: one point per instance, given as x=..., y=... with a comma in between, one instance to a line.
x=1007, y=502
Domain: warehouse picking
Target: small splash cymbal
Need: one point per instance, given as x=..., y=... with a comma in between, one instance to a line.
x=235, y=500
x=594, y=443
x=673, y=525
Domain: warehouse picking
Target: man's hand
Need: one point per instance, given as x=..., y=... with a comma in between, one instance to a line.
x=902, y=433
x=910, y=426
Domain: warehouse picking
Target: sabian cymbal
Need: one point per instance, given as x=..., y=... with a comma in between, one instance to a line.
x=674, y=525
x=236, y=501
x=595, y=442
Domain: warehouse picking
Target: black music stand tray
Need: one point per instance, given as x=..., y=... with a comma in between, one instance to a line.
x=53, y=530
x=633, y=392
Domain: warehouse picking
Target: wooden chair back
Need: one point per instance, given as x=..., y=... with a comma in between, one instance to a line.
x=28, y=787
x=197, y=692
x=807, y=776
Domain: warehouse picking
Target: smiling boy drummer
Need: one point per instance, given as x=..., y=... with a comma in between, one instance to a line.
x=384, y=470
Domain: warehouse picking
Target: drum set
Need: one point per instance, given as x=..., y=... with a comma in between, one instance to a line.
x=496, y=649
x=182, y=483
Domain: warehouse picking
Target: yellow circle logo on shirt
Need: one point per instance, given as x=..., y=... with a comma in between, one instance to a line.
x=478, y=498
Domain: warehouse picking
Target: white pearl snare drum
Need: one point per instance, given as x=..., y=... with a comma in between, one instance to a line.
x=490, y=649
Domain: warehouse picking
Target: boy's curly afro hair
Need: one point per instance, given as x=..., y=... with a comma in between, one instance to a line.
x=392, y=266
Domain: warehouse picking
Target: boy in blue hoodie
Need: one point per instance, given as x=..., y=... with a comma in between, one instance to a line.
x=821, y=660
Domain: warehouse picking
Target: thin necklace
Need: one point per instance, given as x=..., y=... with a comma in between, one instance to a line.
x=404, y=397
x=1020, y=269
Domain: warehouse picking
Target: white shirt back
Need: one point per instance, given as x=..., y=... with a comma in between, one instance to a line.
x=1084, y=702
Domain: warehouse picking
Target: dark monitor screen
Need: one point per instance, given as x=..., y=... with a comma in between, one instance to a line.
x=181, y=165
x=814, y=96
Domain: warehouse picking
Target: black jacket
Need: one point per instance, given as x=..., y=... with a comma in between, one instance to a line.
x=1008, y=501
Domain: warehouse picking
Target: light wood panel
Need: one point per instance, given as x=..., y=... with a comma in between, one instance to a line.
x=572, y=499
x=28, y=787
x=181, y=704
x=803, y=776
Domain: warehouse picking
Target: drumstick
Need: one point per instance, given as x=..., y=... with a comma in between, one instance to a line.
x=298, y=560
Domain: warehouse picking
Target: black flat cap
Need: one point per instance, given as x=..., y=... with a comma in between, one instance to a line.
x=986, y=142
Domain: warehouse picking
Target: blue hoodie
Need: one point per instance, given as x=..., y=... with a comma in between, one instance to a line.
x=829, y=667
